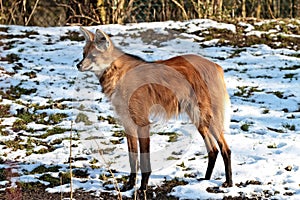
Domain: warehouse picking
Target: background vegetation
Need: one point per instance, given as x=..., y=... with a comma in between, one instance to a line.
x=94, y=12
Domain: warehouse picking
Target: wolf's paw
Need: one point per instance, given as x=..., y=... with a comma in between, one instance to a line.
x=227, y=184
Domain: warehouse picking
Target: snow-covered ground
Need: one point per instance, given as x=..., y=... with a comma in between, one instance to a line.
x=39, y=79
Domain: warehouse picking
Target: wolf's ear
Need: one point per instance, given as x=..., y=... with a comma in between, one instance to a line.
x=88, y=35
x=102, y=41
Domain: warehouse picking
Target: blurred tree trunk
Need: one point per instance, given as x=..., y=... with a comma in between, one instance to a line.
x=207, y=9
x=233, y=7
x=217, y=8
x=276, y=8
x=102, y=11
x=244, y=14
x=269, y=4
x=258, y=10
x=119, y=12
x=163, y=10
x=296, y=8
x=198, y=8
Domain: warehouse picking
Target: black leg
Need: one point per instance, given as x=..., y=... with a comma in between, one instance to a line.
x=212, y=157
x=226, y=154
x=133, y=160
x=144, y=141
x=211, y=149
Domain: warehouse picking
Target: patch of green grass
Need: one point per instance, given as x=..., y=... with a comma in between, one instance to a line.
x=43, y=169
x=247, y=91
x=290, y=127
x=31, y=74
x=56, y=118
x=29, y=33
x=73, y=36
x=56, y=141
x=94, y=161
x=80, y=173
x=172, y=136
x=21, y=50
x=265, y=111
x=81, y=117
x=110, y=119
x=32, y=117
x=240, y=39
x=39, y=118
x=2, y=131
x=189, y=175
x=291, y=116
x=294, y=67
x=20, y=144
x=2, y=174
x=120, y=133
x=173, y=158
x=15, y=92
x=177, y=153
x=4, y=29
x=277, y=94
x=25, y=186
x=106, y=150
x=5, y=111
x=64, y=178
x=119, y=141
x=53, y=181
x=272, y=146
x=245, y=127
x=181, y=165
x=237, y=52
x=14, y=144
x=275, y=130
x=54, y=131
x=290, y=76
x=42, y=151
x=19, y=125
x=10, y=58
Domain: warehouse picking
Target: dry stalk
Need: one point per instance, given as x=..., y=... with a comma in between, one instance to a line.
x=115, y=182
x=86, y=17
x=70, y=163
x=33, y=10
x=1, y=5
x=136, y=171
x=61, y=193
x=182, y=8
x=12, y=10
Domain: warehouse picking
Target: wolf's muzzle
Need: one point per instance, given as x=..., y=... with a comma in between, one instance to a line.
x=79, y=65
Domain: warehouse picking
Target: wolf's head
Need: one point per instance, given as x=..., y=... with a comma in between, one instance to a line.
x=98, y=51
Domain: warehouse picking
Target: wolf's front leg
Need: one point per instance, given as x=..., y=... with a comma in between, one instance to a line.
x=144, y=141
x=133, y=160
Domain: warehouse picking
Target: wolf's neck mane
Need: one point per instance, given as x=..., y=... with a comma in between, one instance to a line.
x=118, y=68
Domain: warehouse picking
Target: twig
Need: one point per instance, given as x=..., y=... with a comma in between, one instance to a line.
x=270, y=10
x=182, y=8
x=61, y=193
x=1, y=5
x=33, y=10
x=116, y=186
x=136, y=172
x=86, y=17
x=12, y=11
x=70, y=163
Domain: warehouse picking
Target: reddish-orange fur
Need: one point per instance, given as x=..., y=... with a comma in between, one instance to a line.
x=137, y=88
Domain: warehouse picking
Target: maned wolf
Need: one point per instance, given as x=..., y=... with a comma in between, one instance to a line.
x=138, y=88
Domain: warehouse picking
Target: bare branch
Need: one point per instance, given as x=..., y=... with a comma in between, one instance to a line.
x=182, y=8
x=33, y=10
